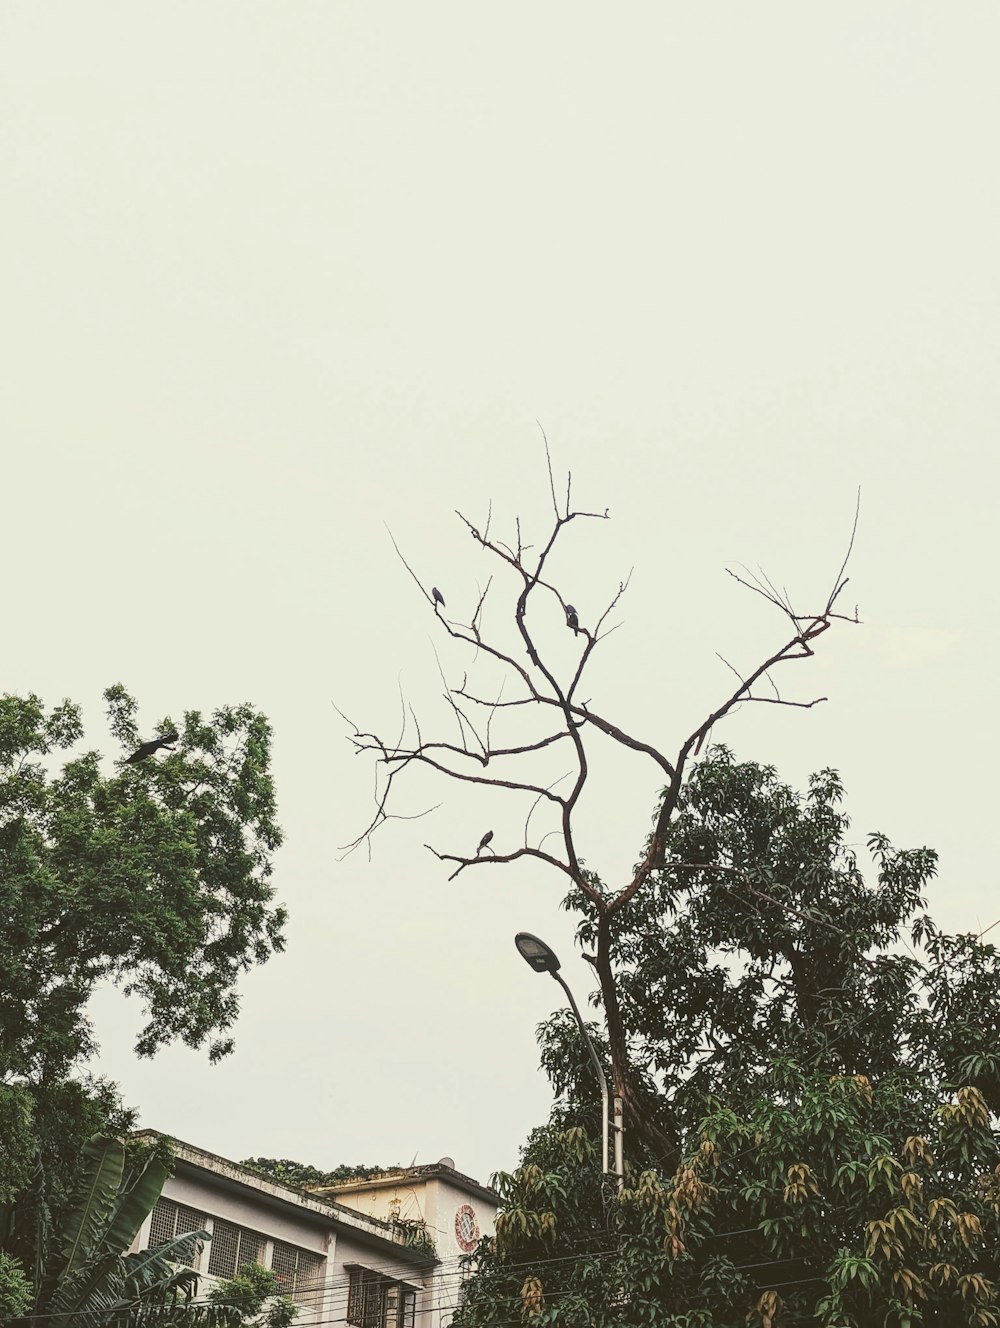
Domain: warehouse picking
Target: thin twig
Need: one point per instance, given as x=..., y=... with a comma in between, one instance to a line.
x=552, y=483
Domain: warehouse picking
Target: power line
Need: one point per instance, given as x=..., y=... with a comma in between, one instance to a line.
x=340, y=1288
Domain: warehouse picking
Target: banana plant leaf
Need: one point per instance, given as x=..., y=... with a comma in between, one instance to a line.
x=88, y=1218
x=93, y=1283
x=90, y=1293
x=134, y=1206
x=152, y=1273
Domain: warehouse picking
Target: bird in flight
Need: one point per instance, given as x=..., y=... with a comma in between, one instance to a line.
x=572, y=620
x=148, y=748
x=436, y=596
x=484, y=841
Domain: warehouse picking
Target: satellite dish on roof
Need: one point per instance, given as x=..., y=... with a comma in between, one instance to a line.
x=446, y=1162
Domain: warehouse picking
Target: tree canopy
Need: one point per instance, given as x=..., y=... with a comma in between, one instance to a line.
x=303, y=1174
x=823, y=1061
x=254, y=1294
x=155, y=876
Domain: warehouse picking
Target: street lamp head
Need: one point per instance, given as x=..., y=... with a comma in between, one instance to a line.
x=536, y=953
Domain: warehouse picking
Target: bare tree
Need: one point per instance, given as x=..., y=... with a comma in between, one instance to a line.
x=566, y=722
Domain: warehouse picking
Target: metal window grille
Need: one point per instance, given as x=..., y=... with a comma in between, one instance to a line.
x=407, y=1309
x=163, y=1223
x=300, y=1271
x=251, y=1248
x=373, y=1314
x=284, y=1262
x=170, y=1219
x=355, y=1296
x=233, y=1248
x=309, y=1276
x=224, y=1249
x=189, y=1219
x=364, y=1299
x=374, y=1301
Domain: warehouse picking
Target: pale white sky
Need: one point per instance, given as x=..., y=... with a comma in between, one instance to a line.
x=276, y=274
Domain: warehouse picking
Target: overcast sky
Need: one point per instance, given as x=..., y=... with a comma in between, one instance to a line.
x=279, y=274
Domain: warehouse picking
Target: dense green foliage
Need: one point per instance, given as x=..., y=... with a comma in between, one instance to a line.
x=154, y=876
x=826, y=1060
x=15, y=1289
x=818, y=1206
x=302, y=1174
x=40, y=1161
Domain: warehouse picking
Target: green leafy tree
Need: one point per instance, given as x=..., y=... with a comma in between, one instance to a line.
x=15, y=1289
x=18, y=1140
x=815, y=1207
x=745, y=964
x=254, y=1294
x=303, y=1174
x=155, y=876
x=824, y=1057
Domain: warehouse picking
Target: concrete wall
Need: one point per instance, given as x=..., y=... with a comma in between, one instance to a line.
x=434, y=1199
x=443, y=1200
x=437, y=1200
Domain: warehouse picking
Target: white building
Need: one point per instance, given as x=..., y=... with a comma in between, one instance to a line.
x=453, y=1209
x=380, y=1253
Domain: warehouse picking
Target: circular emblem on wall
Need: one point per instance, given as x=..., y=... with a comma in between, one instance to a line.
x=466, y=1228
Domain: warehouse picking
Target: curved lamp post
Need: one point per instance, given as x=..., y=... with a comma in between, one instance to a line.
x=543, y=959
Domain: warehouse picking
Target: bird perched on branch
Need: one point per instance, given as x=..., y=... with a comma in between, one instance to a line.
x=484, y=841
x=148, y=748
x=436, y=596
x=571, y=619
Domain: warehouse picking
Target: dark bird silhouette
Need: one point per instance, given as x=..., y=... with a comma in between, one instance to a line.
x=436, y=596
x=571, y=619
x=148, y=748
x=484, y=841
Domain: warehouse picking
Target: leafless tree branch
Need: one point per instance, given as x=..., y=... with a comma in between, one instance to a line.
x=534, y=805
x=496, y=859
x=549, y=686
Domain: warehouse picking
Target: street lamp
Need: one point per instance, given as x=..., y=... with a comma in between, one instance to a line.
x=543, y=959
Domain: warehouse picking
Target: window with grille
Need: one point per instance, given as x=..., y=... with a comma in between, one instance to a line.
x=171, y=1219
x=400, y=1302
x=300, y=1272
x=232, y=1248
x=310, y=1274
x=374, y=1301
x=163, y=1223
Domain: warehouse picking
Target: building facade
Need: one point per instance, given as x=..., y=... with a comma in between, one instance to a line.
x=453, y=1209
x=380, y=1253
